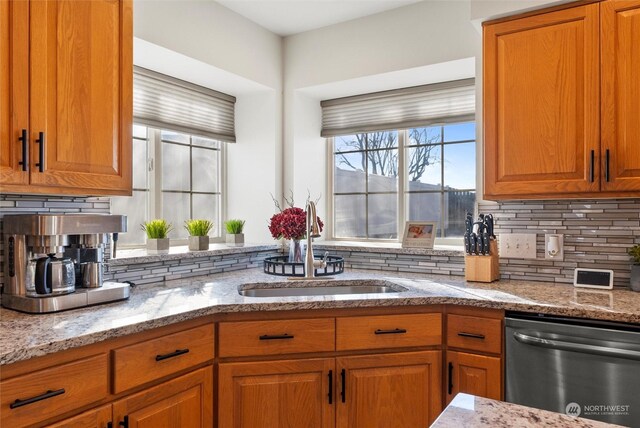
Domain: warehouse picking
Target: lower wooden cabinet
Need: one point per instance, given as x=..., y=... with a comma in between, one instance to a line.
x=473, y=374
x=184, y=402
x=389, y=390
x=94, y=418
x=386, y=390
x=275, y=394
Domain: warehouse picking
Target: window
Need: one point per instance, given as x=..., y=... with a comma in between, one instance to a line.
x=177, y=177
x=383, y=178
x=178, y=138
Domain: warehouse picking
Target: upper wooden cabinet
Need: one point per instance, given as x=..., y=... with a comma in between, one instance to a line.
x=620, y=34
x=76, y=108
x=542, y=104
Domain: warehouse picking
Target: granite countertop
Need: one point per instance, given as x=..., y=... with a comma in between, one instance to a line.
x=469, y=411
x=24, y=336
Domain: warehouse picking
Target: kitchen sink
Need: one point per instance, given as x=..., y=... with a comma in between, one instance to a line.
x=312, y=288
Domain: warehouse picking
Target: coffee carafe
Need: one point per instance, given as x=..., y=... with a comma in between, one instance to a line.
x=50, y=275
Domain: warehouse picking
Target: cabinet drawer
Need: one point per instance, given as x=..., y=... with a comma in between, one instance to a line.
x=275, y=337
x=388, y=331
x=474, y=333
x=53, y=391
x=153, y=359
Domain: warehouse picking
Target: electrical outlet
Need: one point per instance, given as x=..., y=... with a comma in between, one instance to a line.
x=517, y=245
x=553, y=246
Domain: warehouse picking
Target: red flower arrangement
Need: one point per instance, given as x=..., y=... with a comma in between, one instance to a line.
x=290, y=224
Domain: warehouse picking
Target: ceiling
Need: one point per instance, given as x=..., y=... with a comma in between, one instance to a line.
x=287, y=17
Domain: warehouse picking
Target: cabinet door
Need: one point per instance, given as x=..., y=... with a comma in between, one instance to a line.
x=389, y=390
x=81, y=95
x=14, y=91
x=620, y=34
x=94, y=418
x=541, y=98
x=473, y=374
x=184, y=402
x=275, y=394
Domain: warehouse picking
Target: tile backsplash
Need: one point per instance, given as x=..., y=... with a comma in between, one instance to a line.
x=597, y=234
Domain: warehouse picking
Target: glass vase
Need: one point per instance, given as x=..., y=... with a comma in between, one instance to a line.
x=296, y=250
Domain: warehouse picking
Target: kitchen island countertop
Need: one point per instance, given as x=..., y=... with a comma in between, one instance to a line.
x=24, y=336
x=469, y=411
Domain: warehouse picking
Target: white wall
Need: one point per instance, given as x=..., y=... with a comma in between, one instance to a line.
x=209, y=32
x=253, y=167
x=375, y=48
x=203, y=42
x=483, y=10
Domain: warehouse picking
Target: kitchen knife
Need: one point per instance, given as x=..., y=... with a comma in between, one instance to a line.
x=473, y=244
x=486, y=242
x=489, y=222
x=467, y=243
x=481, y=244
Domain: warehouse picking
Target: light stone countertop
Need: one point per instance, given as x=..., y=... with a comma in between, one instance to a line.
x=24, y=336
x=469, y=411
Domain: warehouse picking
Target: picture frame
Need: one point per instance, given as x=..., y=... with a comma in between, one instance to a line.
x=419, y=234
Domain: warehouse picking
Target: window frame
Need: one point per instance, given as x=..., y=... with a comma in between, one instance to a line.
x=402, y=193
x=154, y=181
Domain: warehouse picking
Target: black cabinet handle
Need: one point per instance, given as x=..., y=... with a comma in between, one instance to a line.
x=24, y=140
x=394, y=331
x=276, y=336
x=125, y=423
x=48, y=394
x=450, y=387
x=592, y=173
x=330, y=386
x=471, y=335
x=606, y=166
x=40, y=141
x=109, y=424
x=343, y=381
x=175, y=353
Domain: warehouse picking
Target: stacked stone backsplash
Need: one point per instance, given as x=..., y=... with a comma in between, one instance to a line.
x=36, y=204
x=439, y=262
x=597, y=234
x=188, y=266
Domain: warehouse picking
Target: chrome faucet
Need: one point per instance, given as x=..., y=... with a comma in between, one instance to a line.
x=313, y=231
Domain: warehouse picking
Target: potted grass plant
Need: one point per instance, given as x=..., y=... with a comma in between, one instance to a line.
x=198, y=234
x=157, y=235
x=634, y=252
x=235, y=237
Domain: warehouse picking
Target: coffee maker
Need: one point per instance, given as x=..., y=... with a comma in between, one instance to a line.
x=56, y=262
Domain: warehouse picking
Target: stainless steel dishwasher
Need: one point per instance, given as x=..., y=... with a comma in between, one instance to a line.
x=582, y=368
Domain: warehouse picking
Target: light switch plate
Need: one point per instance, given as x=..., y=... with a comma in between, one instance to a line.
x=517, y=245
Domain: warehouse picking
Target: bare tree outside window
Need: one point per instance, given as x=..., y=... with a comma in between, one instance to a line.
x=374, y=148
x=438, y=180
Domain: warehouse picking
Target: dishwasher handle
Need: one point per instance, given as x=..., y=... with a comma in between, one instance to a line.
x=576, y=347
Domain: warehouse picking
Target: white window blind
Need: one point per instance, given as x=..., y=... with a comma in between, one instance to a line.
x=165, y=102
x=400, y=108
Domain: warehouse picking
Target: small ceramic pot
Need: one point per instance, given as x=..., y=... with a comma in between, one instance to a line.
x=635, y=277
x=198, y=243
x=158, y=246
x=235, y=239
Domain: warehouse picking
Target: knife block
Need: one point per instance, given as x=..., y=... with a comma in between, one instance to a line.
x=483, y=268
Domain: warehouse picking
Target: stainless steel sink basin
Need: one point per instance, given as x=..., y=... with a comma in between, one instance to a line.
x=288, y=289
